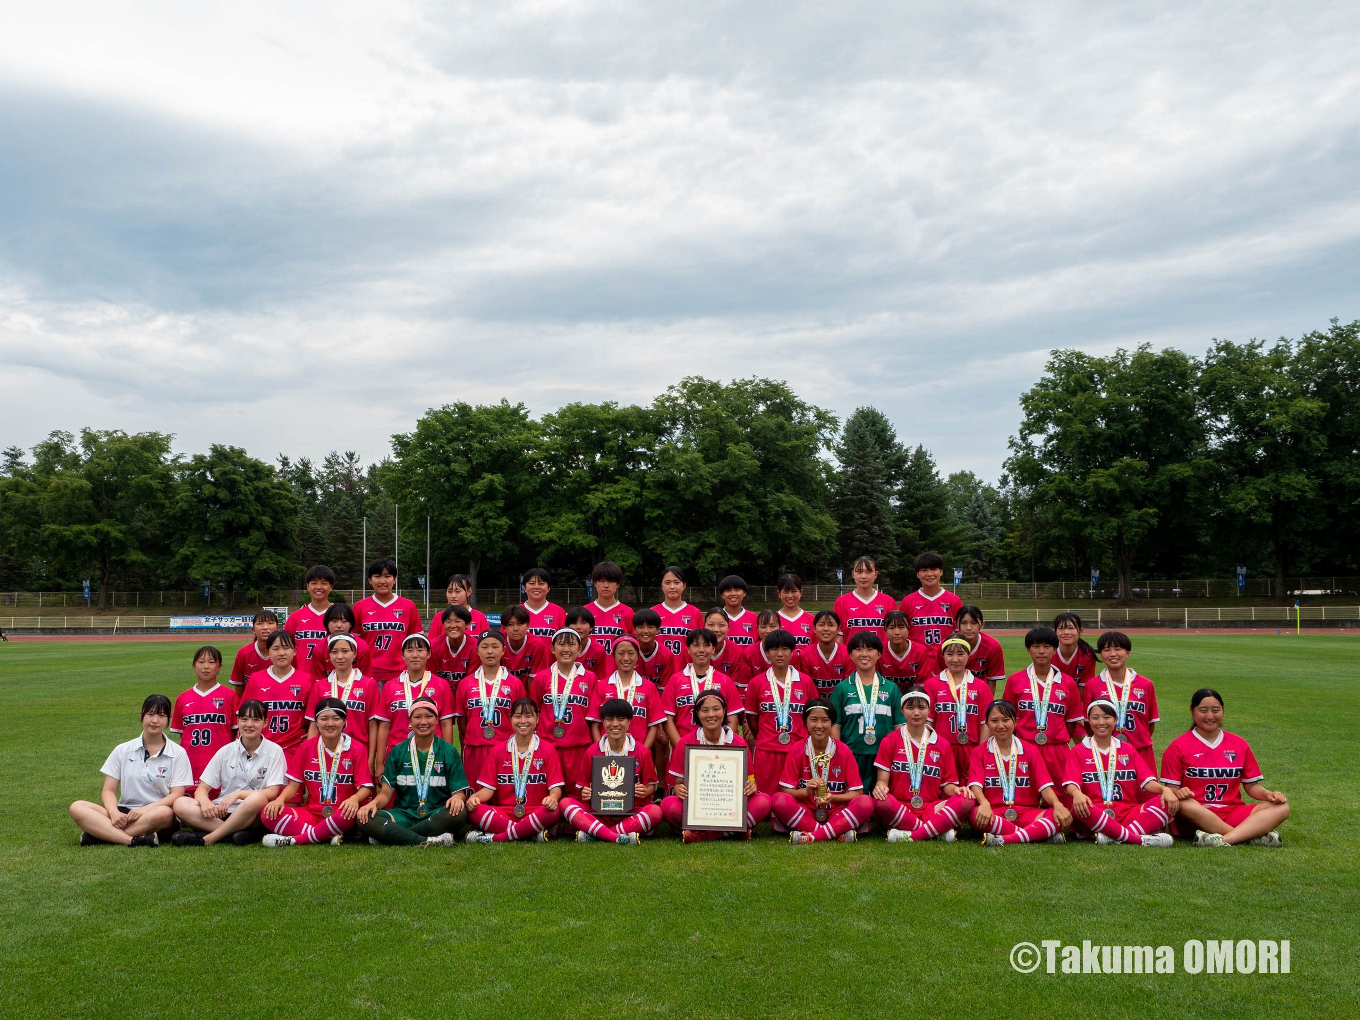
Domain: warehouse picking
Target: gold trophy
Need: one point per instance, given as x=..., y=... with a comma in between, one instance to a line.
x=822, y=761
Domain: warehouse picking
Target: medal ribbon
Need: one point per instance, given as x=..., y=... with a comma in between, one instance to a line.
x=1041, y=705
x=559, y=702
x=783, y=708
x=1105, y=778
x=519, y=765
x=699, y=684
x=1006, y=778
x=625, y=693
x=330, y=779
x=960, y=696
x=868, y=706
x=343, y=695
x=1121, y=701
x=916, y=768
x=422, y=784
x=406, y=688
x=487, y=695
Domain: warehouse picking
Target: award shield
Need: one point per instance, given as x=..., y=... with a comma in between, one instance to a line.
x=612, y=778
x=715, y=784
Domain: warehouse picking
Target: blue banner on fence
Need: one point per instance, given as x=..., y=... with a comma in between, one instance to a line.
x=211, y=622
x=493, y=619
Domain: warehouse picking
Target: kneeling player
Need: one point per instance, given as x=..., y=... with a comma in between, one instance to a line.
x=1007, y=779
x=249, y=773
x=423, y=797
x=821, y=796
x=524, y=778
x=617, y=716
x=917, y=795
x=333, y=772
x=709, y=718
x=1114, y=794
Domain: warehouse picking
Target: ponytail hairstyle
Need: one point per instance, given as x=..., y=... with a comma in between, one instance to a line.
x=1074, y=620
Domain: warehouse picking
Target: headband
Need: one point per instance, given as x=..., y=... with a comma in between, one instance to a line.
x=331, y=705
x=342, y=637
x=493, y=635
x=1104, y=703
x=415, y=637
x=426, y=701
x=710, y=693
x=962, y=642
x=628, y=639
x=568, y=631
x=915, y=695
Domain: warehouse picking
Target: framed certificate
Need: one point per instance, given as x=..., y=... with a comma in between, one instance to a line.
x=715, y=787
x=612, y=778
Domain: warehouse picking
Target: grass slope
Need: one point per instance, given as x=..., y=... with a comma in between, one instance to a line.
x=720, y=930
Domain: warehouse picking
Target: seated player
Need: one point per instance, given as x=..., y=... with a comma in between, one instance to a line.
x=820, y=796
x=204, y=718
x=1134, y=696
x=386, y=618
x=741, y=622
x=905, y=662
x=1048, y=701
x=612, y=618
x=142, y=780
x=233, y=788
x=986, y=661
x=825, y=660
x=1210, y=769
x=361, y=694
x=458, y=593
x=868, y=707
x=1113, y=793
x=283, y=690
x=792, y=616
x=545, y=618
x=683, y=688
x=398, y=694
x=422, y=800
x=617, y=716
x=629, y=686
x=1074, y=656
x=774, y=710
x=709, y=727
x=523, y=654
x=332, y=774
x=563, y=693
x=864, y=606
x=957, y=699
x=592, y=655
x=481, y=705
x=917, y=795
x=655, y=661
x=520, y=785
x=253, y=657
x=678, y=618
x=308, y=623
x=340, y=620
x=1007, y=780
x=453, y=653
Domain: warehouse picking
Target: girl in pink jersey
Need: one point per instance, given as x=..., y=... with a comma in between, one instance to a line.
x=754, y=660
x=1050, y=705
x=612, y=618
x=1210, y=768
x=340, y=620
x=864, y=607
x=728, y=659
x=458, y=592
x=519, y=786
x=544, y=617
x=1134, y=696
x=683, y=689
x=741, y=622
x=454, y=652
x=905, y=662
x=917, y=794
x=563, y=694
x=617, y=740
x=986, y=661
x=1112, y=791
x=1075, y=656
x=204, y=717
x=624, y=683
x=957, y=699
x=655, y=661
x=792, y=616
x=1008, y=781
x=332, y=773
x=361, y=694
x=820, y=796
x=283, y=690
x=774, y=710
x=678, y=617
x=826, y=660
x=708, y=720
x=482, y=704
x=592, y=655
x=253, y=657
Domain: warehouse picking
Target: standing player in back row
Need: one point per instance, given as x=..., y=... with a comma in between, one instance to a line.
x=677, y=617
x=384, y=621
x=741, y=622
x=931, y=609
x=545, y=618
x=612, y=618
x=458, y=592
x=308, y=624
x=792, y=616
x=864, y=607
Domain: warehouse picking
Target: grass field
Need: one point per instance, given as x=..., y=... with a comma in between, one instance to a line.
x=717, y=930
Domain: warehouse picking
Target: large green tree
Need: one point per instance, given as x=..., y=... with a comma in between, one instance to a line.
x=864, y=489
x=1328, y=370
x=235, y=522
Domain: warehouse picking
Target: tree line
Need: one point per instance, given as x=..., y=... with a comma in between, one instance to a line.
x=1140, y=463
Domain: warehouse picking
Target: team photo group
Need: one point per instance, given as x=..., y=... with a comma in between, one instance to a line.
x=608, y=723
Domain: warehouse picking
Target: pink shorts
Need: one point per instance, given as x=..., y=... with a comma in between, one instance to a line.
x=1233, y=815
x=575, y=767
x=768, y=768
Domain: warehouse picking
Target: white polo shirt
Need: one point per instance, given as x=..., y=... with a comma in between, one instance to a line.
x=144, y=779
x=232, y=770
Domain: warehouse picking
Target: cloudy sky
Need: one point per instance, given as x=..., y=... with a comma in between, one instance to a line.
x=294, y=230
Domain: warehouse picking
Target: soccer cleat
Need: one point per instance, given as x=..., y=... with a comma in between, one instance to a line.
x=900, y=836
x=150, y=839
x=1104, y=840
x=274, y=839
x=992, y=839
x=443, y=839
x=584, y=837
x=1057, y=839
x=374, y=842
x=1271, y=838
x=478, y=836
x=337, y=840
x=245, y=837
x=187, y=837
x=87, y=840
x=848, y=837
x=628, y=839
x=800, y=837
x=690, y=836
x=542, y=837
x=1203, y=838
x=948, y=836
x=1162, y=839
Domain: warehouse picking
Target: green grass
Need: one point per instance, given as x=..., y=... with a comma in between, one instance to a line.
x=717, y=930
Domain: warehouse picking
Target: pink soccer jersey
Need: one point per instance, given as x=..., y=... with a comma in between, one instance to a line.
x=476, y=627
x=547, y=620
x=912, y=666
x=799, y=626
x=308, y=628
x=842, y=774
x=451, y=662
x=931, y=618
x=249, y=661
x=987, y=661
x=1139, y=704
x=761, y=712
x=856, y=614
x=575, y=695
x=1130, y=769
x=939, y=769
x=944, y=714
x=394, y=708
x=1031, y=774
x=676, y=625
x=204, y=721
x=594, y=659
x=467, y=706
x=646, y=768
x=286, y=701
x=1080, y=667
x=642, y=694
x=545, y=772
x=1215, y=772
x=363, y=700
x=678, y=697
x=754, y=661
x=304, y=766
x=825, y=671
x=730, y=660
x=1065, y=707
x=526, y=660
x=384, y=627
x=741, y=629
x=610, y=624
x=658, y=666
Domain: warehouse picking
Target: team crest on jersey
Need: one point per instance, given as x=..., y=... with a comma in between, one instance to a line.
x=217, y=702
x=538, y=763
x=836, y=771
x=345, y=763
x=438, y=767
x=1062, y=695
x=1123, y=759
x=934, y=755
x=397, y=613
x=1024, y=767
x=1230, y=755
x=296, y=690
